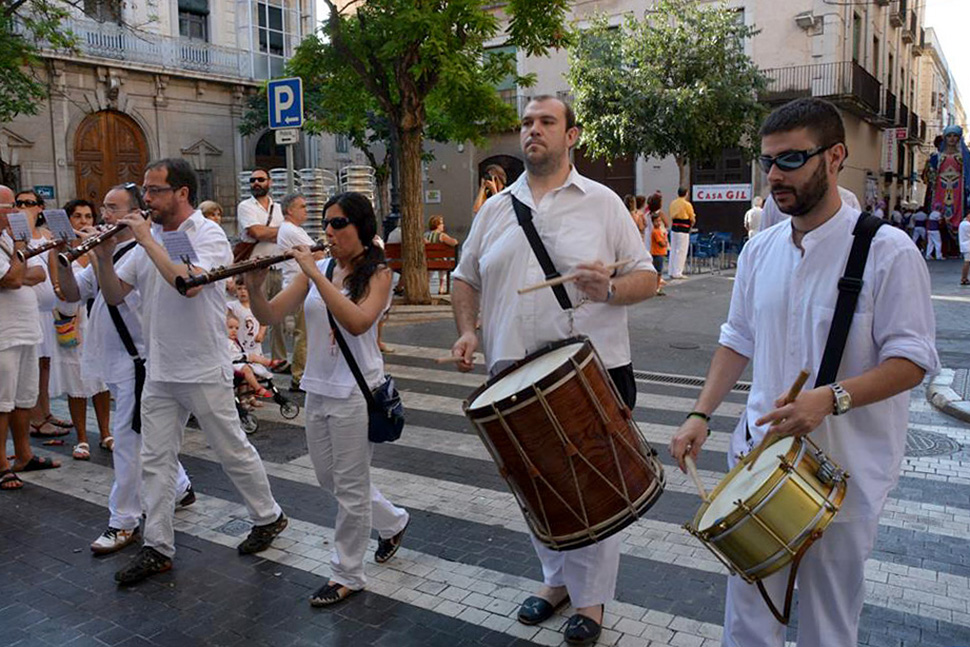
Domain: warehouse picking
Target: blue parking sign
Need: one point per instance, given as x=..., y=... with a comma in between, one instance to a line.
x=285, y=103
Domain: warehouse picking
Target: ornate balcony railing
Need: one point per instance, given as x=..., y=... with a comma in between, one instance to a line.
x=107, y=40
x=846, y=83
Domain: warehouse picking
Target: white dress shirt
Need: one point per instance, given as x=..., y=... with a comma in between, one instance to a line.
x=250, y=212
x=103, y=355
x=19, y=320
x=580, y=222
x=781, y=311
x=290, y=236
x=186, y=337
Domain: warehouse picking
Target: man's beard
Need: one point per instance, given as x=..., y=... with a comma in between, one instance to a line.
x=544, y=163
x=259, y=191
x=808, y=196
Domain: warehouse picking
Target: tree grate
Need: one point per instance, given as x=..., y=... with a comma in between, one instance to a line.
x=682, y=380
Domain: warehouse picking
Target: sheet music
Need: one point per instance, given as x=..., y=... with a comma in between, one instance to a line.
x=59, y=224
x=179, y=247
x=19, y=226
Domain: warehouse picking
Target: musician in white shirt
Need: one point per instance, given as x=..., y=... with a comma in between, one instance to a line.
x=189, y=367
x=583, y=225
x=106, y=357
x=780, y=315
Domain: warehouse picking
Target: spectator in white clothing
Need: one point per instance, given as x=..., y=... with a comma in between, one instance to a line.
x=964, y=235
x=258, y=221
x=934, y=244
x=752, y=219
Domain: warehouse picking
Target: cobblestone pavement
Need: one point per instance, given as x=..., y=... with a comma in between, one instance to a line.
x=466, y=562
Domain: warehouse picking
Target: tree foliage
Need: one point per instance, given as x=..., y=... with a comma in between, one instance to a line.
x=421, y=67
x=677, y=82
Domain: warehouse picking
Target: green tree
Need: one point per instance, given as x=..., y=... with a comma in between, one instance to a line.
x=676, y=83
x=422, y=66
x=24, y=24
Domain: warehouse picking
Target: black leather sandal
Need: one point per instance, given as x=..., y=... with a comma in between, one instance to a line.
x=582, y=630
x=331, y=594
x=535, y=609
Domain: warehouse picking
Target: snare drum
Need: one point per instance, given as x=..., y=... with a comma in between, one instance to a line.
x=760, y=520
x=566, y=445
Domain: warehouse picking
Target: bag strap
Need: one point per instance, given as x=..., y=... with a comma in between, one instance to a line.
x=524, y=215
x=348, y=356
x=850, y=286
x=116, y=317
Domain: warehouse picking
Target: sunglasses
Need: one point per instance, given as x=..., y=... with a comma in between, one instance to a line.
x=29, y=203
x=791, y=160
x=256, y=180
x=338, y=222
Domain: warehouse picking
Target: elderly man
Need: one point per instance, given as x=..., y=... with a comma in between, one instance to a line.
x=258, y=219
x=583, y=225
x=19, y=336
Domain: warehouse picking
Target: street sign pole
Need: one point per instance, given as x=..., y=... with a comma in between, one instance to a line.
x=286, y=118
x=290, y=180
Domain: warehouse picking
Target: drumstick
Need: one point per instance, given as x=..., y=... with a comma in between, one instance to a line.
x=692, y=470
x=569, y=277
x=771, y=435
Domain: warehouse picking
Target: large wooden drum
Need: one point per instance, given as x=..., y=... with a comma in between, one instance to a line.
x=567, y=445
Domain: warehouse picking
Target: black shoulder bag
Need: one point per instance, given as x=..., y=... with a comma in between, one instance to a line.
x=385, y=411
x=524, y=215
x=130, y=347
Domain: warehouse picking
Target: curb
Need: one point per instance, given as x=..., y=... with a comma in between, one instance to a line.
x=943, y=397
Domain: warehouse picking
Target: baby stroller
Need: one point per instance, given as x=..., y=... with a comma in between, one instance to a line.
x=245, y=396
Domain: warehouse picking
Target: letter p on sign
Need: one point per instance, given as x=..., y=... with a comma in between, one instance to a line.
x=285, y=103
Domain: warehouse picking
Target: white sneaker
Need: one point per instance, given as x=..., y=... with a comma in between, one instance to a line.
x=113, y=539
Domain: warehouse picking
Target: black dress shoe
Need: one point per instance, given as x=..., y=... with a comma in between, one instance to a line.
x=535, y=609
x=581, y=630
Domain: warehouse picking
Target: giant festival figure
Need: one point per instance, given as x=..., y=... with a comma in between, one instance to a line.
x=949, y=170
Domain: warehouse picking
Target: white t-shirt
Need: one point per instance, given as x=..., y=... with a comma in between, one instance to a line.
x=103, y=355
x=19, y=321
x=964, y=235
x=781, y=311
x=289, y=236
x=250, y=212
x=580, y=222
x=186, y=337
x=327, y=372
x=752, y=220
x=248, y=327
x=919, y=219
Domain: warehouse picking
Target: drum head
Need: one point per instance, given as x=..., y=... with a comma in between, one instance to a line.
x=745, y=483
x=526, y=375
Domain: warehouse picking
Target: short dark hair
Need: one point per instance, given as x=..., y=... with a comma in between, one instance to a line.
x=259, y=169
x=682, y=191
x=570, y=114
x=819, y=117
x=641, y=201
x=37, y=197
x=654, y=202
x=179, y=173
x=71, y=206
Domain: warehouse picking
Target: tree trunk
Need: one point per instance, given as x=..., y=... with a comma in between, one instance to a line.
x=414, y=276
x=683, y=164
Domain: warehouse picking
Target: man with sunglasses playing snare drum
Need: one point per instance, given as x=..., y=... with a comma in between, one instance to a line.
x=781, y=312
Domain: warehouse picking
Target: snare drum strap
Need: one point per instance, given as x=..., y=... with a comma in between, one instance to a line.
x=524, y=215
x=850, y=285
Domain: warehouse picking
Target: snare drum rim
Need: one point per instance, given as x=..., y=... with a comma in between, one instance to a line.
x=753, y=501
x=543, y=383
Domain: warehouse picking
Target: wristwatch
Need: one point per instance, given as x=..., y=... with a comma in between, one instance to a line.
x=610, y=292
x=843, y=401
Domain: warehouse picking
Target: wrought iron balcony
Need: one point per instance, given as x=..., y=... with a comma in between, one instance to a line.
x=920, y=43
x=847, y=84
x=909, y=32
x=889, y=107
x=107, y=40
x=897, y=13
x=914, y=129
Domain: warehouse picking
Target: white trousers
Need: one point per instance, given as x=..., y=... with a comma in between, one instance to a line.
x=124, y=503
x=164, y=408
x=933, y=243
x=589, y=573
x=918, y=233
x=679, y=244
x=336, y=435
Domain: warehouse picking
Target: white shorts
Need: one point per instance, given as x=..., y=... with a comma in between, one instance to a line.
x=18, y=388
x=966, y=257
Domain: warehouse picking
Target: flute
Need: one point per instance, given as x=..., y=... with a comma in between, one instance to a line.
x=69, y=256
x=184, y=284
x=30, y=252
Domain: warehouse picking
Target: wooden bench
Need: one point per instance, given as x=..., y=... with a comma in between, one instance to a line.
x=439, y=257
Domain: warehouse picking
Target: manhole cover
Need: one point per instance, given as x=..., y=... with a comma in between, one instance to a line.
x=235, y=528
x=929, y=443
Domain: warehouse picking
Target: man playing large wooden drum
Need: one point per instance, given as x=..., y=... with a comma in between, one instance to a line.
x=781, y=312
x=583, y=226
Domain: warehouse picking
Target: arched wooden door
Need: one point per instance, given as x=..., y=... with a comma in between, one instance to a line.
x=109, y=149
